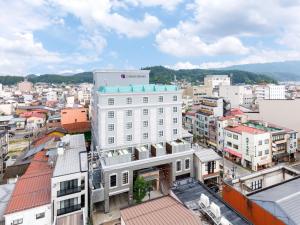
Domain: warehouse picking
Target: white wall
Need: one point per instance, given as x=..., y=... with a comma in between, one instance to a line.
x=29, y=216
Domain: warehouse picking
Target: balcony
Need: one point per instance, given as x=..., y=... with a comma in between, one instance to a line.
x=69, y=209
x=68, y=191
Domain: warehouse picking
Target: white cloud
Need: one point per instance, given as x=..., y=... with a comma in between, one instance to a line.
x=175, y=42
x=168, y=5
x=183, y=65
x=95, y=13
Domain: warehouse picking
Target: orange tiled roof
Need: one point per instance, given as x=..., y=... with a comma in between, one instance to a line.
x=34, y=187
x=241, y=128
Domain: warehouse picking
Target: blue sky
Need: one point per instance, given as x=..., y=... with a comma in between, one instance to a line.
x=59, y=36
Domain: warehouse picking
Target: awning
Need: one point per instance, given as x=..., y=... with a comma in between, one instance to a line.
x=232, y=152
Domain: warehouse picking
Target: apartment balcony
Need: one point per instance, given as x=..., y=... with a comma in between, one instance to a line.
x=205, y=112
x=208, y=103
x=69, y=209
x=68, y=191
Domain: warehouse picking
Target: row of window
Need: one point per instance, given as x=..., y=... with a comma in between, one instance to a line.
x=111, y=114
x=111, y=126
x=187, y=165
x=111, y=101
x=111, y=140
x=20, y=221
x=113, y=179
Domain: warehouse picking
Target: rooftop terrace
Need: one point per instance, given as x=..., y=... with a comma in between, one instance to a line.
x=137, y=88
x=261, y=126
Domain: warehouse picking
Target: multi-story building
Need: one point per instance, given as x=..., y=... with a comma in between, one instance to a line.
x=189, y=119
x=237, y=95
x=269, y=92
x=215, y=81
x=3, y=152
x=25, y=86
x=209, y=109
x=137, y=131
x=248, y=145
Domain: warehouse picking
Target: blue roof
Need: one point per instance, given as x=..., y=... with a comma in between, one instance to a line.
x=137, y=88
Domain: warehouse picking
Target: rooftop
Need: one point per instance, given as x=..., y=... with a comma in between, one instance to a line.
x=241, y=128
x=161, y=211
x=207, y=154
x=188, y=191
x=33, y=189
x=137, y=88
x=282, y=200
x=5, y=194
x=266, y=126
x=75, y=152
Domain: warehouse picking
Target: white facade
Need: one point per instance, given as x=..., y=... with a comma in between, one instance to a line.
x=51, y=96
x=216, y=80
x=270, y=92
x=133, y=120
x=40, y=215
x=237, y=95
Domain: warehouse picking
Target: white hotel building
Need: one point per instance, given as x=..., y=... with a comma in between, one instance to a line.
x=137, y=131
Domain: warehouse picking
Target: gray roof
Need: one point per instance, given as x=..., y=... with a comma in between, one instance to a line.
x=282, y=200
x=74, y=158
x=207, y=154
x=5, y=194
x=189, y=194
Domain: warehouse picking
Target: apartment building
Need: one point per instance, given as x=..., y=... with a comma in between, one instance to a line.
x=269, y=92
x=137, y=131
x=215, y=81
x=209, y=109
x=237, y=95
x=284, y=140
x=3, y=152
x=248, y=146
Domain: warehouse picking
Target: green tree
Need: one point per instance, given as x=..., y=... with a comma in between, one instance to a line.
x=140, y=189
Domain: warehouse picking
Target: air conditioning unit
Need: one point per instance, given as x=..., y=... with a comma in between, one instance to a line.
x=204, y=201
x=215, y=210
x=224, y=221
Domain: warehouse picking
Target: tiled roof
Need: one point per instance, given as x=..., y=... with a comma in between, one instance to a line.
x=78, y=127
x=161, y=211
x=34, y=187
x=241, y=128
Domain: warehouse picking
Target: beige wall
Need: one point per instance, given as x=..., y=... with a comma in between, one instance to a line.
x=284, y=113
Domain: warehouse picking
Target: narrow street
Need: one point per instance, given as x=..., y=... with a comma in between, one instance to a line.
x=238, y=170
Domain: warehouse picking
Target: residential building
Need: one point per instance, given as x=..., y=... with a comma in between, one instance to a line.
x=215, y=81
x=270, y=196
x=74, y=115
x=3, y=152
x=196, y=93
x=209, y=109
x=270, y=92
x=35, y=121
x=207, y=166
x=137, y=131
x=69, y=183
x=189, y=120
x=25, y=86
x=248, y=146
x=161, y=211
x=51, y=96
x=237, y=95
x=5, y=195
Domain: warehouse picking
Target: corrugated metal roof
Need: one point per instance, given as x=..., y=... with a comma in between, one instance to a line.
x=161, y=211
x=282, y=200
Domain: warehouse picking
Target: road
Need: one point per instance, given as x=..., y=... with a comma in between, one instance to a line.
x=239, y=170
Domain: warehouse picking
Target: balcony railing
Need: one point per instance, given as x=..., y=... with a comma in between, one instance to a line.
x=68, y=191
x=69, y=209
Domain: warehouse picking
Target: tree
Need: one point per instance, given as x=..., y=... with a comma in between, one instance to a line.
x=140, y=189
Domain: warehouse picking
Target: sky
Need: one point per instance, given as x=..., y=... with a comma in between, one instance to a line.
x=70, y=36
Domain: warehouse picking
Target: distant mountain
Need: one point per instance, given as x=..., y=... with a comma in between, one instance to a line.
x=158, y=74
x=281, y=71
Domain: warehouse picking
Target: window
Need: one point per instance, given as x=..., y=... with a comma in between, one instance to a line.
x=17, y=221
x=111, y=140
x=178, y=165
x=111, y=114
x=111, y=127
x=145, y=123
x=160, y=110
x=259, y=153
x=145, y=99
x=266, y=151
x=174, y=109
x=175, y=131
x=145, y=135
x=267, y=141
x=160, y=122
x=260, y=142
x=160, y=133
x=229, y=134
x=145, y=112
x=113, y=181
x=129, y=100
x=235, y=146
x=187, y=164
x=40, y=215
x=229, y=144
x=235, y=137
x=175, y=98
x=255, y=185
x=160, y=99
x=129, y=125
x=125, y=178
x=110, y=101
x=128, y=112
x=129, y=137
x=175, y=120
